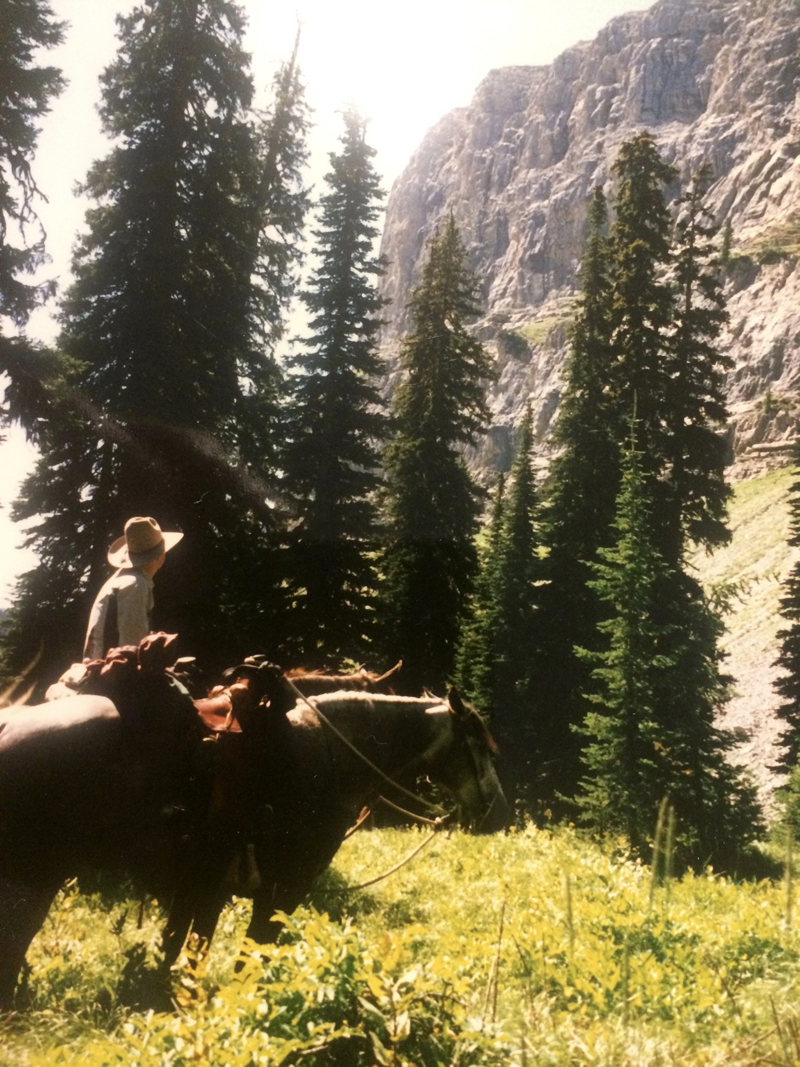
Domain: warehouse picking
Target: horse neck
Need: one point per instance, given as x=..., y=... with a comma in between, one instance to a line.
x=393, y=733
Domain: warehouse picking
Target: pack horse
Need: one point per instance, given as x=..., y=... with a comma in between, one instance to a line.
x=275, y=798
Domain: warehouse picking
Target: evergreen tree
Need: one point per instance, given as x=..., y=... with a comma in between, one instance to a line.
x=580, y=508
x=642, y=298
x=433, y=504
x=625, y=755
x=696, y=493
x=659, y=689
x=336, y=422
x=25, y=93
x=645, y=337
x=26, y=89
x=166, y=321
x=788, y=684
x=498, y=661
x=475, y=656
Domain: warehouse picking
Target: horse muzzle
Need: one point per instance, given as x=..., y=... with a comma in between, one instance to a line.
x=496, y=817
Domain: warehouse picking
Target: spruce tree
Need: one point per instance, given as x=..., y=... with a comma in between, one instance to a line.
x=432, y=503
x=336, y=423
x=642, y=298
x=499, y=657
x=475, y=657
x=645, y=337
x=653, y=734
x=165, y=323
x=26, y=89
x=580, y=507
x=625, y=756
x=696, y=493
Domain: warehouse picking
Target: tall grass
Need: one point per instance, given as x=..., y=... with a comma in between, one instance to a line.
x=538, y=947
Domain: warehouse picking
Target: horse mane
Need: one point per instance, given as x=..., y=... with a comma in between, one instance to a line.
x=331, y=701
x=316, y=681
x=477, y=720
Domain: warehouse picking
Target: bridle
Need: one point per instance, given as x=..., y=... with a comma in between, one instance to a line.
x=435, y=808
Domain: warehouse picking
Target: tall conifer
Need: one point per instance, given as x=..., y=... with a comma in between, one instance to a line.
x=166, y=324
x=336, y=423
x=695, y=490
x=580, y=508
x=500, y=653
x=26, y=89
x=433, y=503
x=659, y=687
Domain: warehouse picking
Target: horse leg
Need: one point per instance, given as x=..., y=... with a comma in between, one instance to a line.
x=179, y=922
x=263, y=929
x=23, y=910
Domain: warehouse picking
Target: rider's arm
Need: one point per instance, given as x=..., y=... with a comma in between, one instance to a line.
x=95, y=633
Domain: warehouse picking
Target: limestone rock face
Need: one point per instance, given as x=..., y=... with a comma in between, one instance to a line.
x=714, y=81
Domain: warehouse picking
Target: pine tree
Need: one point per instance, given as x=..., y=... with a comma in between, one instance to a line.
x=645, y=337
x=433, y=504
x=625, y=755
x=25, y=93
x=696, y=493
x=642, y=299
x=475, y=657
x=506, y=646
x=336, y=423
x=166, y=321
x=580, y=507
x=660, y=686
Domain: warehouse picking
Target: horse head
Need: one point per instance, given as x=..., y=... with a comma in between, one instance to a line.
x=462, y=760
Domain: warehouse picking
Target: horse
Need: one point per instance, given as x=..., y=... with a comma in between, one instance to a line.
x=316, y=786
x=79, y=789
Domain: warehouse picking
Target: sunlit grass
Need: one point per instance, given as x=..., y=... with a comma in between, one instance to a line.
x=590, y=966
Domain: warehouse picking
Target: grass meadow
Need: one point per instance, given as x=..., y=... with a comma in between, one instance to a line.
x=531, y=948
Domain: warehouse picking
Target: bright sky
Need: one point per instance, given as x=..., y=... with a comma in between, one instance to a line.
x=403, y=65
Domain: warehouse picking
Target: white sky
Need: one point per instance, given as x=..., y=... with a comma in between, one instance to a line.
x=403, y=65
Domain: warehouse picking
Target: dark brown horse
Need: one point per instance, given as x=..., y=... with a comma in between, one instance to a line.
x=276, y=831
x=83, y=786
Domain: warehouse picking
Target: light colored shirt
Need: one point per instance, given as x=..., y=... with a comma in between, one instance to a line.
x=120, y=614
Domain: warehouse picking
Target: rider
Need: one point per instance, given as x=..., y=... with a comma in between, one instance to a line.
x=121, y=612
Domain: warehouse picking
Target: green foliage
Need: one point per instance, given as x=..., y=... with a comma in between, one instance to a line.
x=335, y=423
x=660, y=687
x=696, y=497
x=539, y=332
x=580, y=506
x=644, y=340
x=432, y=503
x=780, y=240
x=25, y=92
x=513, y=343
x=594, y=965
x=323, y=996
x=177, y=289
x=498, y=663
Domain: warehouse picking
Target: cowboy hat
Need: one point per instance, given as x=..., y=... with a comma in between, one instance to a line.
x=143, y=541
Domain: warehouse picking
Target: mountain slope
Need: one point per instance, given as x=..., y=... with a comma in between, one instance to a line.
x=713, y=80
x=752, y=567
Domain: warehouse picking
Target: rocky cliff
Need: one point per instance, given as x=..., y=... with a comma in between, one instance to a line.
x=713, y=80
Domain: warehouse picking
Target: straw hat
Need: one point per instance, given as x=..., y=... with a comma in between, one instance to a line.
x=143, y=541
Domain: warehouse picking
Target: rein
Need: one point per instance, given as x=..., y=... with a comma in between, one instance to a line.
x=435, y=808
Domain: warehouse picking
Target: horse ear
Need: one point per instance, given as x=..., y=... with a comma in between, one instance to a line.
x=457, y=705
